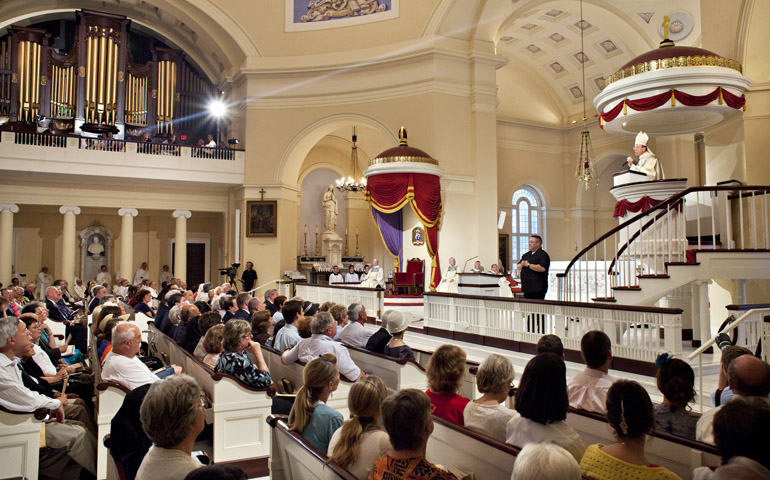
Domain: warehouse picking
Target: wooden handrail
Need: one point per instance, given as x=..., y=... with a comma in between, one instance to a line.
x=630, y=308
x=658, y=207
x=38, y=413
x=504, y=447
x=107, y=384
x=383, y=357
x=338, y=286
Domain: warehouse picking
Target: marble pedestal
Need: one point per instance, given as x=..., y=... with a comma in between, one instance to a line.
x=331, y=247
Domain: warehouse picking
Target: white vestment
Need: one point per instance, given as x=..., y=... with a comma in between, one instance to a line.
x=648, y=164
x=104, y=278
x=504, y=287
x=141, y=274
x=44, y=280
x=335, y=278
x=373, y=278
x=351, y=278
x=449, y=281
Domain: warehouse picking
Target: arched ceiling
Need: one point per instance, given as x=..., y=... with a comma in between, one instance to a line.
x=544, y=39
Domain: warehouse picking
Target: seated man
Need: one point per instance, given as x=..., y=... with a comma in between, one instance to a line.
x=288, y=335
x=122, y=364
x=588, y=389
x=748, y=376
x=374, y=278
x=15, y=343
x=409, y=423
x=449, y=282
x=352, y=276
x=336, y=276
x=60, y=312
x=323, y=328
x=356, y=333
x=740, y=433
x=98, y=292
x=550, y=344
x=724, y=393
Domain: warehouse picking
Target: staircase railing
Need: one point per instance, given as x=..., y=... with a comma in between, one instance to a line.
x=697, y=218
x=752, y=322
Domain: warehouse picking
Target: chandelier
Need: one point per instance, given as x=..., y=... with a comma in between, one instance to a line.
x=586, y=170
x=349, y=184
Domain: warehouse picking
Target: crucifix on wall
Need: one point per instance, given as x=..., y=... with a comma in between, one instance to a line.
x=262, y=193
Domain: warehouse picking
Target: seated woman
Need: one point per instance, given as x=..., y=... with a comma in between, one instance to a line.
x=630, y=414
x=172, y=417
x=236, y=338
x=260, y=324
x=143, y=303
x=676, y=381
x=310, y=416
x=397, y=324
x=361, y=440
x=407, y=419
x=109, y=324
x=446, y=372
x=212, y=343
x=487, y=414
x=278, y=302
x=541, y=407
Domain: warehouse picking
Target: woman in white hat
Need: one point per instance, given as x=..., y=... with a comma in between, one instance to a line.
x=398, y=322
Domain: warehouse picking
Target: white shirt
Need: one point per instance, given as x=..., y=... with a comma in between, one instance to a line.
x=355, y=334
x=129, y=372
x=14, y=395
x=704, y=429
x=140, y=275
x=372, y=445
x=43, y=361
x=104, y=278
x=488, y=419
x=80, y=291
x=317, y=345
x=351, y=278
x=335, y=278
x=520, y=431
x=588, y=390
x=212, y=144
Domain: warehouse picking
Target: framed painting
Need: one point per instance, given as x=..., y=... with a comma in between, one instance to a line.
x=262, y=218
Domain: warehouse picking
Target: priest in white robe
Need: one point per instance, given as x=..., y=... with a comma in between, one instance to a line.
x=646, y=163
x=141, y=275
x=375, y=276
x=449, y=281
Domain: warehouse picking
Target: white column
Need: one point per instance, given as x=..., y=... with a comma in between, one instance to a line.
x=127, y=242
x=705, y=312
x=6, y=241
x=68, y=242
x=180, y=251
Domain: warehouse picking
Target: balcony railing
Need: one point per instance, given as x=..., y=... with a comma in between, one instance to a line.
x=111, y=157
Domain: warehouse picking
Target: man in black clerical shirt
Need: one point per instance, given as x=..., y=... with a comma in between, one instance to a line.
x=249, y=277
x=534, y=275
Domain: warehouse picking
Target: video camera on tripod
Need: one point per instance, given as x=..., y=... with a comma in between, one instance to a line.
x=230, y=271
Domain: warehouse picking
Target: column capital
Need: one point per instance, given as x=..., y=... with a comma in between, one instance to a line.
x=181, y=213
x=9, y=207
x=128, y=211
x=65, y=209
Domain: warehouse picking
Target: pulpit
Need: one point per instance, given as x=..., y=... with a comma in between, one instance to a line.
x=413, y=279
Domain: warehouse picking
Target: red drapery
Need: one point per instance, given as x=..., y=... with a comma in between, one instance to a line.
x=656, y=101
x=643, y=204
x=390, y=192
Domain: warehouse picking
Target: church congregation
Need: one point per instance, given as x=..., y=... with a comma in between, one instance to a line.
x=387, y=433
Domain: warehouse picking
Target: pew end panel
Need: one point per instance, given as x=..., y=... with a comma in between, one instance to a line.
x=110, y=396
x=20, y=442
x=454, y=446
x=396, y=373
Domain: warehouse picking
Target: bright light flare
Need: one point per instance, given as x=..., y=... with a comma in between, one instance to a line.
x=217, y=108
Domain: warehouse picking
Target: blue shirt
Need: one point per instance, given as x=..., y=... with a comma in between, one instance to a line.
x=323, y=423
x=286, y=338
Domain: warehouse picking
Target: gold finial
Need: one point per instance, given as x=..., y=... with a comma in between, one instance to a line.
x=402, y=136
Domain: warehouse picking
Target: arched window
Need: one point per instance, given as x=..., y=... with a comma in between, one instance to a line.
x=526, y=220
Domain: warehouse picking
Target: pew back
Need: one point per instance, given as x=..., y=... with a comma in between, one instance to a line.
x=20, y=442
x=396, y=373
x=677, y=454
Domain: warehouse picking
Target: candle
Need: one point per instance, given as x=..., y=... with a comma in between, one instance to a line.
x=346, y=231
x=356, y=230
x=316, y=229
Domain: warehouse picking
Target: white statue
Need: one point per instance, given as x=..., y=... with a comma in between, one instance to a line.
x=329, y=203
x=96, y=249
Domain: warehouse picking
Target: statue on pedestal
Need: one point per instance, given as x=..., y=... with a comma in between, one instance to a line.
x=329, y=204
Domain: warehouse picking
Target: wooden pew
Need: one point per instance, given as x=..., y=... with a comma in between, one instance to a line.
x=293, y=458
x=468, y=388
x=238, y=412
x=20, y=442
x=451, y=445
x=338, y=400
x=397, y=373
x=678, y=454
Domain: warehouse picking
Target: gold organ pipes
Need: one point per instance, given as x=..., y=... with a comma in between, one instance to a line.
x=101, y=74
x=114, y=98
x=29, y=80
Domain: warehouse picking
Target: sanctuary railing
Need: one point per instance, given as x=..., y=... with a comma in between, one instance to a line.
x=637, y=333
x=370, y=298
x=726, y=218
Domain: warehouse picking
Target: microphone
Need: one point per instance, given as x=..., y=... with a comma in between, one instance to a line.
x=466, y=262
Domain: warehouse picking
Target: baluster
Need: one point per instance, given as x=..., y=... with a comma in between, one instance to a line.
x=753, y=219
x=764, y=218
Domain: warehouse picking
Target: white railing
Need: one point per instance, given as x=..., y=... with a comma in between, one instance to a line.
x=370, y=298
x=635, y=332
x=698, y=218
x=749, y=334
x=40, y=139
x=213, y=152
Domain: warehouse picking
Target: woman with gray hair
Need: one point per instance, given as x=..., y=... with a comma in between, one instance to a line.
x=172, y=417
x=487, y=414
x=234, y=361
x=545, y=461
